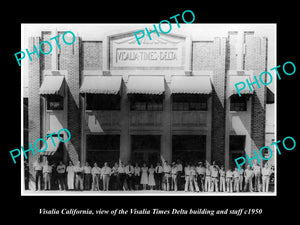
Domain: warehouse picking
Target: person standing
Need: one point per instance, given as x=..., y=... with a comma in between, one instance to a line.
x=151, y=180
x=179, y=174
x=187, y=171
x=248, y=178
x=47, y=170
x=78, y=169
x=121, y=176
x=241, y=179
x=166, y=176
x=193, y=179
x=229, y=177
x=257, y=177
x=70, y=176
x=207, y=185
x=236, y=182
x=87, y=176
x=266, y=172
x=137, y=176
x=174, y=176
x=96, y=171
x=215, y=179
x=129, y=171
x=158, y=175
x=222, y=179
x=61, y=169
x=200, y=175
x=144, y=177
x=113, y=177
x=106, y=172
x=38, y=167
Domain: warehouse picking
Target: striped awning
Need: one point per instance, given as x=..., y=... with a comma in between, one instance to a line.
x=153, y=85
x=52, y=85
x=51, y=147
x=235, y=79
x=191, y=85
x=101, y=85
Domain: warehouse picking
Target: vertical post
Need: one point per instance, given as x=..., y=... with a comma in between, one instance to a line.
x=166, y=138
x=125, y=146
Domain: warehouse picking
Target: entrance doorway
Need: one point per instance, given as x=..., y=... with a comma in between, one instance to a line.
x=145, y=148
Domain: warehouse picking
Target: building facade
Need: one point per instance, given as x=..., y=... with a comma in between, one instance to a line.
x=172, y=96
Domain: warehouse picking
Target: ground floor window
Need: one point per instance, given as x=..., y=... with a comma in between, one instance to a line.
x=103, y=148
x=189, y=148
x=145, y=148
x=236, y=148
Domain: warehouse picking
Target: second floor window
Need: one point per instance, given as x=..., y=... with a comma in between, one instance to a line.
x=142, y=102
x=103, y=102
x=189, y=102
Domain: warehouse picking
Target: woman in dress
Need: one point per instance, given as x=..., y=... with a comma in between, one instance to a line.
x=151, y=181
x=144, y=177
x=70, y=177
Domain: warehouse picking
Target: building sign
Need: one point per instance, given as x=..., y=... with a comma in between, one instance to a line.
x=159, y=53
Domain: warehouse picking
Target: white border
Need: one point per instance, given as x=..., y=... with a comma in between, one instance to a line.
x=235, y=26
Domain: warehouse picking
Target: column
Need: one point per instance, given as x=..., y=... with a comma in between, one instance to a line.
x=125, y=139
x=166, y=138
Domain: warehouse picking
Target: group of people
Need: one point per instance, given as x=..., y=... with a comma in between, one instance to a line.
x=200, y=177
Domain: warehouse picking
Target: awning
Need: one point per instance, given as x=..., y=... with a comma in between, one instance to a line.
x=101, y=85
x=191, y=85
x=53, y=85
x=154, y=85
x=236, y=79
x=51, y=148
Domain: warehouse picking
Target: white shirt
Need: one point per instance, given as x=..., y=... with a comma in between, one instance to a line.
x=174, y=170
x=179, y=167
x=266, y=171
x=121, y=169
x=87, y=169
x=37, y=165
x=158, y=169
x=96, y=170
x=248, y=172
x=167, y=168
x=106, y=170
x=129, y=169
x=137, y=171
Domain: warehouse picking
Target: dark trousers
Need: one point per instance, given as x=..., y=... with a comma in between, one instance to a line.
x=121, y=180
x=200, y=181
x=113, y=185
x=61, y=181
x=136, y=181
x=179, y=181
x=158, y=181
x=87, y=181
x=38, y=179
x=129, y=179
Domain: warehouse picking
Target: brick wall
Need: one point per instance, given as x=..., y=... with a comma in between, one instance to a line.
x=91, y=55
x=218, y=99
x=256, y=60
x=202, y=57
x=69, y=60
x=34, y=102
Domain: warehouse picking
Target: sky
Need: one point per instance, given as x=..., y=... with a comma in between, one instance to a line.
x=195, y=30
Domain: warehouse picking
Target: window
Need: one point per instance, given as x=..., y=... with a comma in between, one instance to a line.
x=238, y=103
x=55, y=102
x=103, y=102
x=237, y=142
x=189, y=102
x=103, y=148
x=142, y=102
x=189, y=148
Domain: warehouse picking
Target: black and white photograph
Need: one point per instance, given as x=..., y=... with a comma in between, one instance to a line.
x=152, y=110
